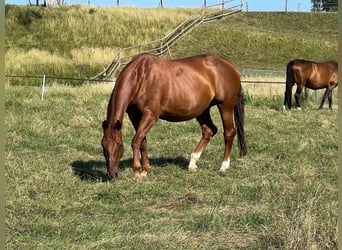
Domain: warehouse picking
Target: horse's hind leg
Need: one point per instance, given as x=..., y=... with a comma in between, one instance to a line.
x=208, y=131
x=229, y=134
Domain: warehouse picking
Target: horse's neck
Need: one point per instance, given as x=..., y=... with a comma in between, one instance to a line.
x=117, y=106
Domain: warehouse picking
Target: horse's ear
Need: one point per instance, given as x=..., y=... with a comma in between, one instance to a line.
x=104, y=125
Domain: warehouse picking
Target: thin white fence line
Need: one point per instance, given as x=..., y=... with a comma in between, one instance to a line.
x=45, y=78
x=113, y=81
x=43, y=88
x=58, y=78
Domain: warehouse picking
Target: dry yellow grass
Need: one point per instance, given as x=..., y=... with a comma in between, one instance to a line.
x=261, y=86
x=274, y=87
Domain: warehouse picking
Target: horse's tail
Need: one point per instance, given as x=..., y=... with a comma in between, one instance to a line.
x=289, y=84
x=239, y=117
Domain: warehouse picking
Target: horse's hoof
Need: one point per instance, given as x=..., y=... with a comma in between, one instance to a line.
x=225, y=165
x=299, y=108
x=193, y=168
x=223, y=169
x=137, y=176
x=143, y=174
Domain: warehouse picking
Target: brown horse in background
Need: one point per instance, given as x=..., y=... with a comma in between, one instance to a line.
x=150, y=87
x=312, y=75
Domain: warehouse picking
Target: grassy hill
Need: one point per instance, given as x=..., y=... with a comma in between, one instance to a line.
x=266, y=40
x=79, y=41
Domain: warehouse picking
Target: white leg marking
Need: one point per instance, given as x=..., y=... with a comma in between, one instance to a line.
x=194, y=158
x=143, y=174
x=284, y=108
x=299, y=108
x=225, y=165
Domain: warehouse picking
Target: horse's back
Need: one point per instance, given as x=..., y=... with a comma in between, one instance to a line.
x=188, y=73
x=302, y=64
x=313, y=74
x=183, y=88
x=222, y=77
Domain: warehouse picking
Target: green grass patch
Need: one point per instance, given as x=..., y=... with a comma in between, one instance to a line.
x=283, y=194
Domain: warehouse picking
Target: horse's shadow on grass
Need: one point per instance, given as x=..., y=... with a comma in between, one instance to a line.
x=95, y=171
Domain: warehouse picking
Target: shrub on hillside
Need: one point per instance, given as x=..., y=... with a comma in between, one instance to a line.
x=26, y=16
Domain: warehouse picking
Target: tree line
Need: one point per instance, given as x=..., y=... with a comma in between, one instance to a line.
x=324, y=5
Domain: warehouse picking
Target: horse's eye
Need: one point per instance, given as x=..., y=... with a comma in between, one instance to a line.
x=120, y=145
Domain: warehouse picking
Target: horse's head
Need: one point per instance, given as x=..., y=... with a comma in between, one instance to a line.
x=112, y=146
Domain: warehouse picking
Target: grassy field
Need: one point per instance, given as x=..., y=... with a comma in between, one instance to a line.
x=282, y=195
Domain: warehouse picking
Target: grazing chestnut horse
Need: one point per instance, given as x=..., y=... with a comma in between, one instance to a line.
x=312, y=75
x=150, y=87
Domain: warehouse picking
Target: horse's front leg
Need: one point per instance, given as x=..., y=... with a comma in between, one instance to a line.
x=144, y=158
x=139, y=144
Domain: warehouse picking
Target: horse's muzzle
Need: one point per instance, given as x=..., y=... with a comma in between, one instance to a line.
x=114, y=176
